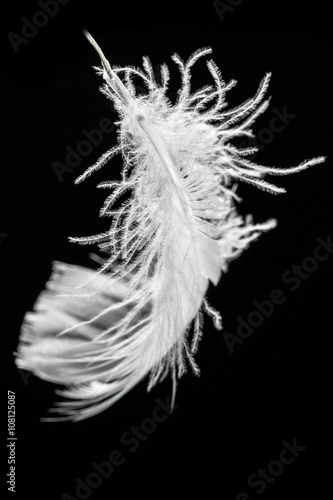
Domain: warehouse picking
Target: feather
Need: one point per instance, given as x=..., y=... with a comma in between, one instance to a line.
x=99, y=333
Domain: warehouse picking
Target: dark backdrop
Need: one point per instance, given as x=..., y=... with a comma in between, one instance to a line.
x=253, y=399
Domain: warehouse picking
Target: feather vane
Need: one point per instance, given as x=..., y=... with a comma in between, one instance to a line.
x=101, y=332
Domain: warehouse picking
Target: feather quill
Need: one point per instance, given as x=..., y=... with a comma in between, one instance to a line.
x=99, y=333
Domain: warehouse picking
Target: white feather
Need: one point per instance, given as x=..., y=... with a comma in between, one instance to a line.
x=100, y=333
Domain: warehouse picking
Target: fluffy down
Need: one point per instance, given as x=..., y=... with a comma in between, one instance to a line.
x=101, y=332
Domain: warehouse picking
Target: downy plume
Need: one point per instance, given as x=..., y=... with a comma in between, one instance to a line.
x=99, y=333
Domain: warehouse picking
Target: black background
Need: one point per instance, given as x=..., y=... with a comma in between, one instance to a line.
x=276, y=385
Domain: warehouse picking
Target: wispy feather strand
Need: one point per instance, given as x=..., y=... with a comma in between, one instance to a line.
x=100, y=333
